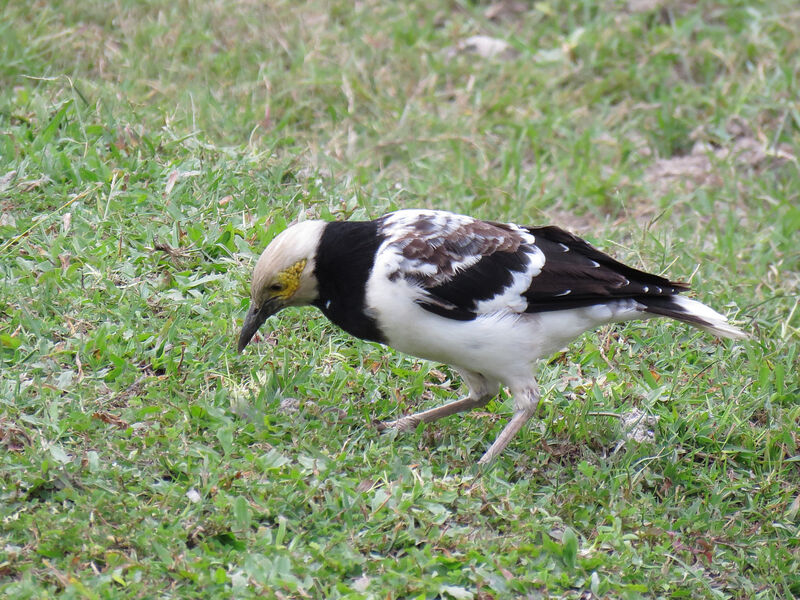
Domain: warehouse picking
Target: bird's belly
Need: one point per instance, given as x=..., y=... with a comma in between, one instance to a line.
x=498, y=345
x=502, y=345
x=490, y=345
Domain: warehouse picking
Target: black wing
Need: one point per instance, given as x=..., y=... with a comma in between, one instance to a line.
x=577, y=274
x=465, y=267
x=461, y=266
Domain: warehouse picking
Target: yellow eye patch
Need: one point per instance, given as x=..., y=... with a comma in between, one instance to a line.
x=290, y=279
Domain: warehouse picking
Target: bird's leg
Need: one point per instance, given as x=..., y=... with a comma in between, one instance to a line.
x=481, y=390
x=434, y=414
x=526, y=402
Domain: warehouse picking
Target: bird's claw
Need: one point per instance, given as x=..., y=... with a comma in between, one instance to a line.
x=402, y=424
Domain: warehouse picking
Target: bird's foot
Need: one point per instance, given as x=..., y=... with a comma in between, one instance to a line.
x=510, y=430
x=407, y=423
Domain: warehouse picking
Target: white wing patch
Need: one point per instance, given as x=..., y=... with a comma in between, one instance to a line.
x=431, y=227
x=431, y=248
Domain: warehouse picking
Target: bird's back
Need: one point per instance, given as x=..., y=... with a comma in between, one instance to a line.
x=461, y=268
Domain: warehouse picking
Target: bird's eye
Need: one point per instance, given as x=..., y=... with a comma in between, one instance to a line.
x=275, y=287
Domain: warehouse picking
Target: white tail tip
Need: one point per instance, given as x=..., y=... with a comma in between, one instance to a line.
x=713, y=322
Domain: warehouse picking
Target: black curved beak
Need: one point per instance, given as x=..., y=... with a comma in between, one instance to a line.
x=254, y=319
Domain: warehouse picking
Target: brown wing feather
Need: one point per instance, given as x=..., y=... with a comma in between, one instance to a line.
x=452, y=245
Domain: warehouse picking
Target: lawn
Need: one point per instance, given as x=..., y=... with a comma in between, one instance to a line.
x=150, y=150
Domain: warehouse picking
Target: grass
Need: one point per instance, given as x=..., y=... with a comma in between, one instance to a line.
x=150, y=150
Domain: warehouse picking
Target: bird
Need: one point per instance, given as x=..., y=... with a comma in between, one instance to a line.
x=490, y=299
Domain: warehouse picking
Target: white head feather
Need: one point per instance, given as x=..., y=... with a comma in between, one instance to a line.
x=292, y=252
